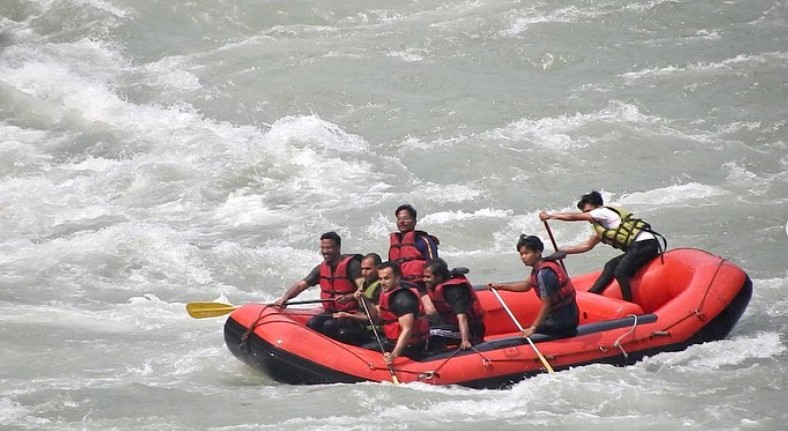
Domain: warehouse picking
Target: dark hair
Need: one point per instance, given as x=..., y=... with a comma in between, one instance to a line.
x=332, y=236
x=393, y=265
x=407, y=207
x=375, y=258
x=531, y=242
x=439, y=267
x=593, y=198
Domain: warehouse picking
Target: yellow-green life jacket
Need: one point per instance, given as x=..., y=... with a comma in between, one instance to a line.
x=372, y=292
x=624, y=235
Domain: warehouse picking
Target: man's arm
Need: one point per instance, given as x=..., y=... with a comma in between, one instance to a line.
x=566, y=216
x=360, y=317
x=544, y=310
x=311, y=279
x=465, y=331
x=583, y=247
x=429, y=308
x=406, y=323
x=292, y=292
x=460, y=300
x=374, y=309
x=517, y=286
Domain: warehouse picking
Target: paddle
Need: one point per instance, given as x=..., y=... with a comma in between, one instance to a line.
x=555, y=246
x=204, y=309
x=520, y=327
x=377, y=337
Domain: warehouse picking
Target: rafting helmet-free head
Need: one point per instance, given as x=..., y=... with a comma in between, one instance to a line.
x=593, y=198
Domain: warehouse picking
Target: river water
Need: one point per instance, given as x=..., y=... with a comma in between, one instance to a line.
x=154, y=153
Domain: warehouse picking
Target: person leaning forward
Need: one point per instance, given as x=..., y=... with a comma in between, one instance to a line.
x=339, y=276
x=401, y=314
x=615, y=227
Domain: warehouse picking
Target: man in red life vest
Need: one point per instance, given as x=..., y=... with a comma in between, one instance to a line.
x=339, y=276
x=401, y=314
x=558, y=315
x=411, y=249
x=455, y=299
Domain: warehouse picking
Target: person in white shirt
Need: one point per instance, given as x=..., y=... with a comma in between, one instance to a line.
x=618, y=228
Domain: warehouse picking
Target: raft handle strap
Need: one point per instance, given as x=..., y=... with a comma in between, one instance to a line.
x=245, y=337
x=630, y=332
x=434, y=373
x=485, y=361
x=429, y=375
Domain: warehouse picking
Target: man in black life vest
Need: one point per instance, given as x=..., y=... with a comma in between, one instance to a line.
x=401, y=314
x=411, y=249
x=455, y=299
x=558, y=316
x=617, y=228
x=339, y=276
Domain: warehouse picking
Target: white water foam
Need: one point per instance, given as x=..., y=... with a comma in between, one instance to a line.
x=453, y=217
x=558, y=133
x=11, y=411
x=520, y=21
x=680, y=194
x=710, y=357
x=742, y=61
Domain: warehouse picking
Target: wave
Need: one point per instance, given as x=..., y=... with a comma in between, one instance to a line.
x=449, y=217
x=689, y=193
x=741, y=60
x=734, y=352
x=559, y=133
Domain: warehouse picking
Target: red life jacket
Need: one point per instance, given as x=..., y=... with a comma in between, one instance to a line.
x=475, y=312
x=566, y=294
x=403, y=250
x=337, y=282
x=421, y=328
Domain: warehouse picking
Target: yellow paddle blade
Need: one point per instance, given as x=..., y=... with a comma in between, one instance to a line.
x=201, y=310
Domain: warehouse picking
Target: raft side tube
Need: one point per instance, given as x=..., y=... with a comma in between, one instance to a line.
x=723, y=323
x=517, y=340
x=279, y=364
x=525, y=306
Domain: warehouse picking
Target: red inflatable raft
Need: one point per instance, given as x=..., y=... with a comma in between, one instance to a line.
x=692, y=297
